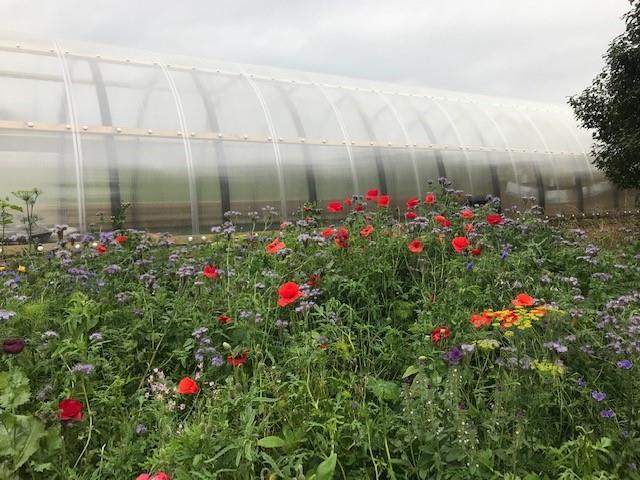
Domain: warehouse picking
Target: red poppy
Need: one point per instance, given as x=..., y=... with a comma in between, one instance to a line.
x=210, y=271
x=101, y=249
x=224, y=319
x=413, y=202
x=288, y=292
x=160, y=476
x=342, y=238
x=327, y=232
x=442, y=220
x=479, y=321
x=347, y=201
x=523, y=300
x=121, y=239
x=440, y=333
x=467, y=214
x=430, y=199
x=468, y=228
x=187, y=386
x=476, y=251
x=143, y=476
x=459, y=244
x=70, y=409
x=275, y=246
x=358, y=208
x=383, y=201
x=314, y=278
x=334, y=207
x=494, y=219
x=238, y=360
x=416, y=246
x=410, y=215
x=371, y=194
x=366, y=231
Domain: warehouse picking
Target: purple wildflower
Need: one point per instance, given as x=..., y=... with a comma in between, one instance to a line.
x=607, y=413
x=453, y=356
x=6, y=315
x=625, y=364
x=83, y=368
x=598, y=396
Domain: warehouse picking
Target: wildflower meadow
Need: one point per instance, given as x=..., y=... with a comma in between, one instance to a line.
x=367, y=338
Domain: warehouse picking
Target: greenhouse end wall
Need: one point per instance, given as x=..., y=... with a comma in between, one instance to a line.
x=184, y=140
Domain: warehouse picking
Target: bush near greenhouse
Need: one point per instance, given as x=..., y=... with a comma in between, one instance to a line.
x=453, y=342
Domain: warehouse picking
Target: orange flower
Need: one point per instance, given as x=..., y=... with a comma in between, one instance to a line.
x=442, y=220
x=224, y=319
x=469, y=228
x=480, y=320
x=188, y=386
x=347, y=201
x=334, y=207
x=366, y=231
x=459, y=244
x=467, y=214
x=275, y=246
x=328, y=232
x=430, y=199
x=523, y=300
x=237, y=361
x=416, y=246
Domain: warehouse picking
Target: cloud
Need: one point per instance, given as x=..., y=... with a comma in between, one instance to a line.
x=535, y=49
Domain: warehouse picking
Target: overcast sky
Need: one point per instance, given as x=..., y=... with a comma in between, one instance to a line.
x=535, y=49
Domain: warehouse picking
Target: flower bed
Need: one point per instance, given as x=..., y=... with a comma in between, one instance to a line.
x=447, y=340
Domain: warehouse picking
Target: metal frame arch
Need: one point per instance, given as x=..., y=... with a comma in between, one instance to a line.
x=274, y=136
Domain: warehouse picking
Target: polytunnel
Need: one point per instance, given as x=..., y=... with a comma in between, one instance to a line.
x=186, y=139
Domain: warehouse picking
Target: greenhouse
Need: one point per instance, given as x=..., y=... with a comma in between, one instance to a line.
x=185, y=139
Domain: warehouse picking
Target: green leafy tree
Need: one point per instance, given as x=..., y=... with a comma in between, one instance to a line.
x=6, y=217
x=611, y=106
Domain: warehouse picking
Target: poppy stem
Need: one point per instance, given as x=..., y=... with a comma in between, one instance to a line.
x=86, y=445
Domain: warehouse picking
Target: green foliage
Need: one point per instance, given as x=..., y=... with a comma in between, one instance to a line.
x=347, y=382
x=611, y=104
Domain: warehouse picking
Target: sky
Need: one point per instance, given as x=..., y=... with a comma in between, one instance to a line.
x=542, y=50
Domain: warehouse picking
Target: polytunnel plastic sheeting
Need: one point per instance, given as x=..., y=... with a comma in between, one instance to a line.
x=186, y=139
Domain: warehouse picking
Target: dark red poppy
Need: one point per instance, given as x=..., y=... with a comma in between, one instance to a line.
x=342, y=238
x=121, y=239
x=416, y=246
x=275, y=246
x=314, y=278
x=224, y=319
x=469, y=228
x=334, y=207
x=413, y=202
x=459, y=243
x=13, y=345
x=70, y=409
x=187, y=386
x=410, y=215
x=494, y=219
x=476, y=251
x=372, y=194
x=440, y=333
x=366, y=231
x=210, y=271
x=430, y=199
x=467, y=214
x=442, y=220
x=347, y=201
x=101, y=249
x=359, y=207
x=238, y=360
x=288, y=293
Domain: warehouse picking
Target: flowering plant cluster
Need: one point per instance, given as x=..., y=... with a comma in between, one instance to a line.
x=437, y=336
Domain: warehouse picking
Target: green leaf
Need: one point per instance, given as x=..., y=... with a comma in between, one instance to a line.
x=411, y=370
x=271, y=442
x=384, y=389
x=326, y=468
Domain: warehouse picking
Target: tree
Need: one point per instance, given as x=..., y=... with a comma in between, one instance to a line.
x=611, y=106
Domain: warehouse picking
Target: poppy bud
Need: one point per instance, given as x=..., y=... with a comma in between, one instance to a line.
x=13, y=345
x=226, y=346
